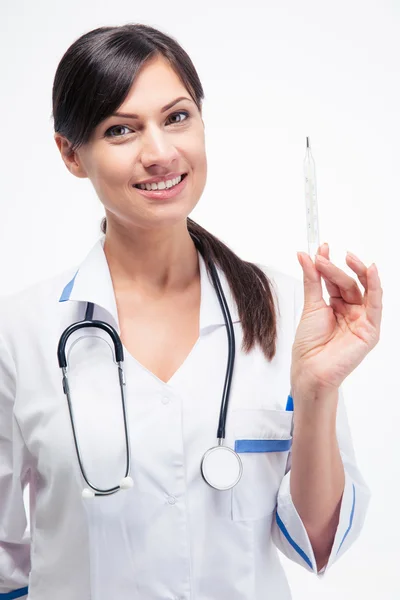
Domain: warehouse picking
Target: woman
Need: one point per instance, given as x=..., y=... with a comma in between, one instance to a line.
x=172, y=535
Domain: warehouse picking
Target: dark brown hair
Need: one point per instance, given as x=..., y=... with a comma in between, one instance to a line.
x=92, y=80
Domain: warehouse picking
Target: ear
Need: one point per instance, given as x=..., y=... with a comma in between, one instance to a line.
x=70, y=157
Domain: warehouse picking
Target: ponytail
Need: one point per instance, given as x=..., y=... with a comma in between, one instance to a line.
x=250, y=288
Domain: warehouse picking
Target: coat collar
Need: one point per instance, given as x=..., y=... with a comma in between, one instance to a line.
x=92, y=283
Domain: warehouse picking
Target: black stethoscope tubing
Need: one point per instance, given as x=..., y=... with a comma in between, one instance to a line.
x=119, y=357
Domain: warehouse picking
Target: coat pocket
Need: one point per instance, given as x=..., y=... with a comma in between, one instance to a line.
x=262, y=438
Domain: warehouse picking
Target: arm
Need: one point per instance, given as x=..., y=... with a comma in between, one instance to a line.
x=14, y=475
x=327, y=526
x=323, y=499
x=317, y=479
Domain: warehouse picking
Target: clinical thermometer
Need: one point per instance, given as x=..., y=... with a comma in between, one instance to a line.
x=311, y=202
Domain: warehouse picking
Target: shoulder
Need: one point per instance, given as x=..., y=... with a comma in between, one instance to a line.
x=48, y=288
x=284, y=285
x=280, y=279
x=288, y=292
x=32, y=304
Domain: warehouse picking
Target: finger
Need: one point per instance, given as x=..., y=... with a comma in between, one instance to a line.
x=349, y=290
x=374, y=297
x=341, y=310
x=358, y=267
x=332, y=289
x=348, y=311
x=311, y=280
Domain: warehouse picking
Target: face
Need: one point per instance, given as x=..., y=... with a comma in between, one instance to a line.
x=157, y=142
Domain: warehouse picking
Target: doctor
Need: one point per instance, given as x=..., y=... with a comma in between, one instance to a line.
x=127, y=110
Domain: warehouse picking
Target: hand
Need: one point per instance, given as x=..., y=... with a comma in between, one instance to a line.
x=331, y=341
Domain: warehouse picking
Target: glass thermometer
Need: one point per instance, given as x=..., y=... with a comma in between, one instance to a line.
x=311, y=202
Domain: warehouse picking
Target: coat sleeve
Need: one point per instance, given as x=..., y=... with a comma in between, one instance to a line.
x=14, y=475
x=288, y=531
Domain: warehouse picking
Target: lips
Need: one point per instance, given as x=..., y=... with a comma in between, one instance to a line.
x=181, y=175
x=166, y=193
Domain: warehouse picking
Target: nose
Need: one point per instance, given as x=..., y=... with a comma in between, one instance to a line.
x=157, y=149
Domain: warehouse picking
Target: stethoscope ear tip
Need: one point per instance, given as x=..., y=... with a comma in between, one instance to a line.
x=86, y=493
x=126, y=483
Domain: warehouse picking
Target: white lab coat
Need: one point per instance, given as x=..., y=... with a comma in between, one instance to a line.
x=181, y=539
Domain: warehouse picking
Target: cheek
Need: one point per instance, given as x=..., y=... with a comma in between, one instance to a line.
x=202, y=166
x=199, y=166
x=113, y=166
x=197, y=156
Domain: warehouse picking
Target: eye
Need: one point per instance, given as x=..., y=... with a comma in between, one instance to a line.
x=181, y=112
x=109, y=134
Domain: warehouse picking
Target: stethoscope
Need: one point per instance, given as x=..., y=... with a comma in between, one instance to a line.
x=221, y=466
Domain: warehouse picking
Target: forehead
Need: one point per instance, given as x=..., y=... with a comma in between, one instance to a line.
x=155, y=85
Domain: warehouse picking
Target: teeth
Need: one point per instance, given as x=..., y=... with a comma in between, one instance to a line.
x=162, y=185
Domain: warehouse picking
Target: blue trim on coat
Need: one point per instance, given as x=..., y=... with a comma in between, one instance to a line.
x=262, y=445
x=351, y=518
x=289, y=403
x=66, y=293
x=292, y=542
x=15, y=594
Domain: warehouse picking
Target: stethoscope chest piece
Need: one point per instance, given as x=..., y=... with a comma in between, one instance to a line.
x=221, y=467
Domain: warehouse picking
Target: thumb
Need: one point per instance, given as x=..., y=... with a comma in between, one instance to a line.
x=311, y=279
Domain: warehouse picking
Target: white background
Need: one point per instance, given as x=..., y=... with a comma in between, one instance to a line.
x=273, y=73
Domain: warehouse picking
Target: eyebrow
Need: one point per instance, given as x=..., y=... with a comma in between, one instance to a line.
x=164, y=109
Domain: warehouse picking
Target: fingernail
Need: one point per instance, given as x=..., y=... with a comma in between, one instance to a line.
x=322, y=248
x=353, y=256
x=322, y=259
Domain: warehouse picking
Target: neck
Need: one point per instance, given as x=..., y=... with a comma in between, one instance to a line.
x=153, y=261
